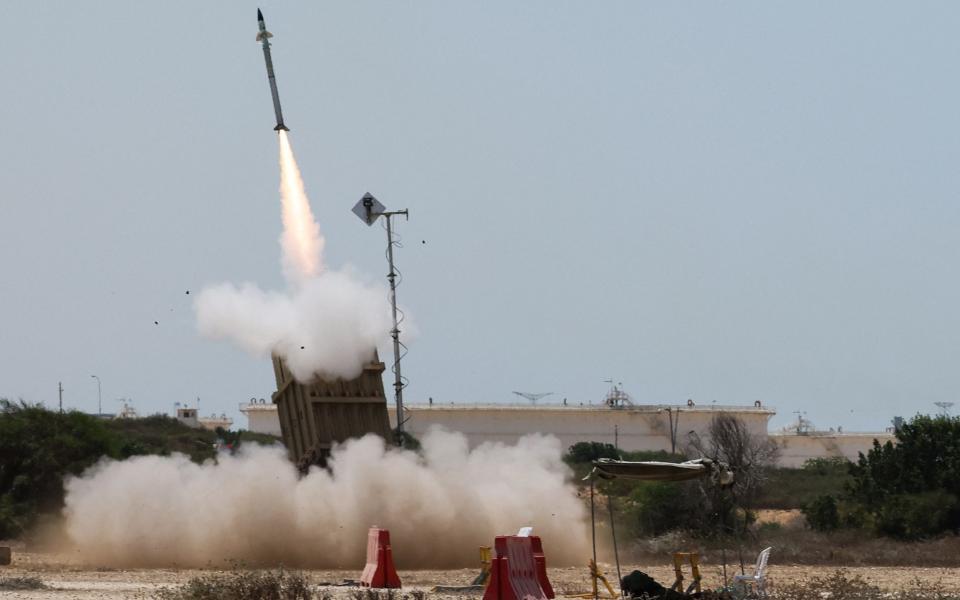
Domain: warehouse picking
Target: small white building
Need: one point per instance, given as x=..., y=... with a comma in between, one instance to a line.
x=262, y=416
x=190, y=418
x=214, y=422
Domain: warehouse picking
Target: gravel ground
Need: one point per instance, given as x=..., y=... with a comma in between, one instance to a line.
x=66, y=578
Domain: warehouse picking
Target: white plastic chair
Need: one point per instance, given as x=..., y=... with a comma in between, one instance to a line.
x=759, y=577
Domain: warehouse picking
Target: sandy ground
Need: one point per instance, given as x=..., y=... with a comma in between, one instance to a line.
x=66, y=579
x=788, y=519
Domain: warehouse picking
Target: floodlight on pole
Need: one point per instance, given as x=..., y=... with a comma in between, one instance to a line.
x=944, y=407
x=369, y=209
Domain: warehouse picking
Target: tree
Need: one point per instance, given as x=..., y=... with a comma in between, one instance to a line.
x=729, y=441
x=911, y=489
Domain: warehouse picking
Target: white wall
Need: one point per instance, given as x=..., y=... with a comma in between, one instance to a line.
x=797, y=449
x=638, y=428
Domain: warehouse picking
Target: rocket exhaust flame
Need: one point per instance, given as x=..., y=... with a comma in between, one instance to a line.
x=301, y=241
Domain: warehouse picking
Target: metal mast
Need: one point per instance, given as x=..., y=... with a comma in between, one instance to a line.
x=368, y=209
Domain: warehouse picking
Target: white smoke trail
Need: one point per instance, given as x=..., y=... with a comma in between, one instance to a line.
x=328, y=323
x=160, y=511
x=301, y=239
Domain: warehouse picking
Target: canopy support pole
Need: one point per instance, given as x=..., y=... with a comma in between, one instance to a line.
x=593, y=534
x=616, y=553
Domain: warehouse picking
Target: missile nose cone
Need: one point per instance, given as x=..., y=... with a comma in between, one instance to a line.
x=259, y=15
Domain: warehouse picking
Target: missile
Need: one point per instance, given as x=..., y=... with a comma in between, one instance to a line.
x=263, y=36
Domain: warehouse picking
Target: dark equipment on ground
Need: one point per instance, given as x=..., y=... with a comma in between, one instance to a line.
x=316, y=415
x=640, y=585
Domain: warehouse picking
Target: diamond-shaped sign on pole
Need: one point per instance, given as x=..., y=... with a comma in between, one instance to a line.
x=368, y=209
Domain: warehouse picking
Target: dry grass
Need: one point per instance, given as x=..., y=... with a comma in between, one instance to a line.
x=244, y=585
x=840, y=585
x=21, y=583
x=805, y=547
x=370, y=594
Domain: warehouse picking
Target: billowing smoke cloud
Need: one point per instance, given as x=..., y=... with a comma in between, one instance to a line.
x=252, y=507
x=327, y=323
x=328, y=326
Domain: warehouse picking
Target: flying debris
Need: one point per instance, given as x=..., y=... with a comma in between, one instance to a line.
x=263, y=36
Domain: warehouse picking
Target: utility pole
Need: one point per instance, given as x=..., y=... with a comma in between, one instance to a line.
x=369, y=209
x=674, y=423
x=60, y=388
x=944, y=408
x=99, y=398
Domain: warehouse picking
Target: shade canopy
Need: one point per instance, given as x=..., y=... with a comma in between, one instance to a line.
x=606, y=468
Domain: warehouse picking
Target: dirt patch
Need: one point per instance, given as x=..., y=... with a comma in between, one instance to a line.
x=65, y=577
x=787, y=519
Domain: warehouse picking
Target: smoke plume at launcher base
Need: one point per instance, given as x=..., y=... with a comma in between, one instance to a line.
x=160, y=511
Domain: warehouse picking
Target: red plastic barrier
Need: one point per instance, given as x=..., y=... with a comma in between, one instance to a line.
x=513, y=574
x=379, y=571
x=541, y=561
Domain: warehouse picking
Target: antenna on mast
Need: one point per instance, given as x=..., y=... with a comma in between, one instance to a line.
x=369, y=209
x=533, y=397
x=944, y=408
x=616, y=397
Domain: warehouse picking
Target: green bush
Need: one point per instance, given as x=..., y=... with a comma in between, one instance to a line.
x=910, y=490
x=585, y=452
x=787, y=488
x=822, y=513
x=916, y=516
x=163, y=435
x=833, y=465
x=656, y=507
x=38, y=448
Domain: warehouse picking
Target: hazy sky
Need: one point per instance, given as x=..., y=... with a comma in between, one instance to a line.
x=718, y=201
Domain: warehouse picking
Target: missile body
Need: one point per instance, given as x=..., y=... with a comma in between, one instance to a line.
x=263, y=36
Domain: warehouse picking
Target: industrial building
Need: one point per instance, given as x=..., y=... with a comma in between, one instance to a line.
x=627, y=426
